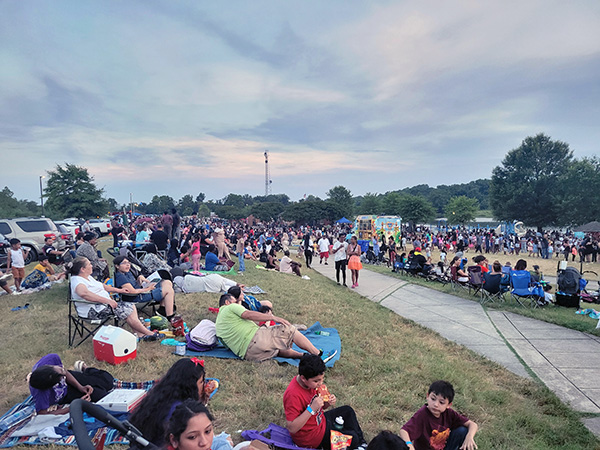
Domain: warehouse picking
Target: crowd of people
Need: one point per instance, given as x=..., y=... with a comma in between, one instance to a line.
x=174, y=414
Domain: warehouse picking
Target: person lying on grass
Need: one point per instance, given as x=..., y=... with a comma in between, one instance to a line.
x=238, y=328
x=53, y=387
x=304, y=402
x=437, y=426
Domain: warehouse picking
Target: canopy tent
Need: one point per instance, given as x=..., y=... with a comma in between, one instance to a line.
x=592, y=227
x=343, y=220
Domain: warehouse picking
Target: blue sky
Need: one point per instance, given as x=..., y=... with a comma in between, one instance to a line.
x=175, y=98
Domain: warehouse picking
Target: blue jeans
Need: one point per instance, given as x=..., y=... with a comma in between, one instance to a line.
x=456, y=438
x=241, y=262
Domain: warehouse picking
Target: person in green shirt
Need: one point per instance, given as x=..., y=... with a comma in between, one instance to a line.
x=238, y=328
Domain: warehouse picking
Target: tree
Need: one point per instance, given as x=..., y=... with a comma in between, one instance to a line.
x=583, y=176
x=159, y=204
x=186, y=205
x=370, y=204
x=461, y=210
x=341, y=197
x=71, y=192
x=267, y=211
x=391, y=204
x=200, y=197
x=530, y=183
x=415, y=209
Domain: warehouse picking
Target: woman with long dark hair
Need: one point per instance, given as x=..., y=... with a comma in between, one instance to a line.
x=184, y=380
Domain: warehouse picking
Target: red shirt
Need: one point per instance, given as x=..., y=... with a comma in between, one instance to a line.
x=295, y=400
x=428, y=432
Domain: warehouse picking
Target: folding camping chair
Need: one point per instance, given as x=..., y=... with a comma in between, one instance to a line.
x=476, y=280
x=492, y=288
x=83, y=327
x=454, y=279
x=520, y=281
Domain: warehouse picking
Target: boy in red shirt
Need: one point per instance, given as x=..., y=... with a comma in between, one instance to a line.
x=436, y=426
x=307, y=422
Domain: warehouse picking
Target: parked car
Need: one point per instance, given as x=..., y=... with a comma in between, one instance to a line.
x=31, y=231
x=102, y=226
x=72, y=229
x=66, y=234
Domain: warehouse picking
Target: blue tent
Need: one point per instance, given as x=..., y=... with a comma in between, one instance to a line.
x=343, y=220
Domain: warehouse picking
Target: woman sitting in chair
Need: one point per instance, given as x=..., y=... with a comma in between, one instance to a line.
x=135, y=291
x=101, y=305
x=458, y=274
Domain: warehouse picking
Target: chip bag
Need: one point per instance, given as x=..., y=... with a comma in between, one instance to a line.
x=340, y=441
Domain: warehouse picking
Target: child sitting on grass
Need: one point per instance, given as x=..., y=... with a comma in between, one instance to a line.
x=304, y=402
x=436, y=426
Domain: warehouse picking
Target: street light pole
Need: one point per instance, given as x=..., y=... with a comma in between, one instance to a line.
x=42, y=193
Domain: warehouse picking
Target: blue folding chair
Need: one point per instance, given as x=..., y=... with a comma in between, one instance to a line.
x=522, y=288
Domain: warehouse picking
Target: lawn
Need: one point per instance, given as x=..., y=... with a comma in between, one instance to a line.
x=386, y=365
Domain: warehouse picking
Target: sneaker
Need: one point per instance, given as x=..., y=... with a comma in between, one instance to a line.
x=305, y=277
x=79, y=366
x=17, y=293
x=345, y=285
x=328, y=356
x=326, y=263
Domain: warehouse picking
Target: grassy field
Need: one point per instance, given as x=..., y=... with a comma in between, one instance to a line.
x=565, y=317
x=386, y=366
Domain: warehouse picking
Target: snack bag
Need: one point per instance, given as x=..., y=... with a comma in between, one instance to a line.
x=323, y=392
x=340, y=441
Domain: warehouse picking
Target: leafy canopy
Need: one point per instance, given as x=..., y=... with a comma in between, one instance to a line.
x=71, y=192
x=461, y=210
x=530, y=183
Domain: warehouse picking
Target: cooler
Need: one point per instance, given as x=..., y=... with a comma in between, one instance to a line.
x=114, y=345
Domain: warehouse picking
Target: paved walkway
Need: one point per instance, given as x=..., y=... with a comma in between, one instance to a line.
x=567, y=361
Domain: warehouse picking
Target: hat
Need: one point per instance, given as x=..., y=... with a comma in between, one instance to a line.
x=536, y=267
x=417, y=249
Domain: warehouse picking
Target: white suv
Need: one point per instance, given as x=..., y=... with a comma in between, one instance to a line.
x=31, y=231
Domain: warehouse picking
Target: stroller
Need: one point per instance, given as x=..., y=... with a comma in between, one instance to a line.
x=569, y=287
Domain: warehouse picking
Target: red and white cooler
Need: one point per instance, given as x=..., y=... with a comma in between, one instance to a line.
x=114, y=345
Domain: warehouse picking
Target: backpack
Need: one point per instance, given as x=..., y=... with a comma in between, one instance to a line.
x=568, y=281
x=205, y=333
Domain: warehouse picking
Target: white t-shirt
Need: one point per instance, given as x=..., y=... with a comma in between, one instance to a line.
x=340, y=254
x=16, y=258
x=285, y=265
x=92, y=285
x=323, y=245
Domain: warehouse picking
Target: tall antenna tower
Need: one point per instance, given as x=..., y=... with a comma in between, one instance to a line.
x=268, y=180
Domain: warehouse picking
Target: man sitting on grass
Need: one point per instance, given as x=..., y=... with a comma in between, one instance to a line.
x=304, y=403
x=437, y=426
x=238, y=328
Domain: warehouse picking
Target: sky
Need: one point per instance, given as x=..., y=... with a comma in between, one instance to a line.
x=157, y=97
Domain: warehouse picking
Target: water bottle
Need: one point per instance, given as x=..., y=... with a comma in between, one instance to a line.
x=322, y=333
x=339, y=423
x=15, y=418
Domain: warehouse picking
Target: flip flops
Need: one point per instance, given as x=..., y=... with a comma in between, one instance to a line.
x=18, y=308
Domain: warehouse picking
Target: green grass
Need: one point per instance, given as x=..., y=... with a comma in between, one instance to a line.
x=386, y=365
x=565, y=317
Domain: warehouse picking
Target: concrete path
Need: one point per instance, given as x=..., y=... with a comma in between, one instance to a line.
x=567, y=361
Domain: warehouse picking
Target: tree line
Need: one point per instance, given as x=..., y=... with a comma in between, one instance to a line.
x=539, y=183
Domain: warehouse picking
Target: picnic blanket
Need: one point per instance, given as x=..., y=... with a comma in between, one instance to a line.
x=325, y=343
x=26, y=431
